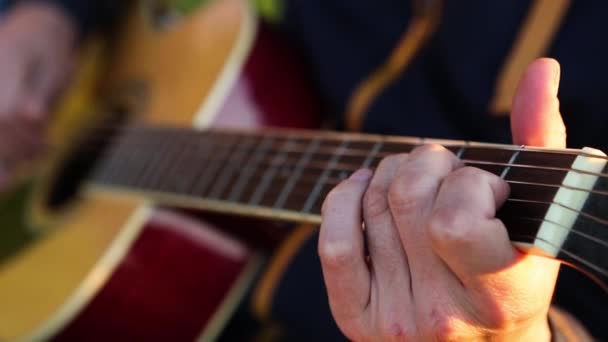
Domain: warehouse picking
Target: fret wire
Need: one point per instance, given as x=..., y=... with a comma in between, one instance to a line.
x=461, y=150
x=195, y=150
x=337, y=136
x=572, y=255
x=372, y=155
x=205, y=146
x=270, y=173
x=311, y=200
x=109, y=166
x=142, y=157
x=566, y=186
x=172, y=163
x=582, y=213
x=336, y=181
x=230, y=168
x=472, y=161
x=297, y=173
x=561, y=226
x=157, y=165
x=136, y=160
x=508, y=167
x=364, y=153
x=347, y=168
x=189, y=163
x=582, y=260
x=145, y=161
x=561, y=249
x=259, y=153
x=321, y=185
x=210, y=171
x=333, y=182
x=351, y=168
x=116, y=169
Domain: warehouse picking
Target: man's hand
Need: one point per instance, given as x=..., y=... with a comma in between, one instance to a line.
x=36, y=43
x=440, y=265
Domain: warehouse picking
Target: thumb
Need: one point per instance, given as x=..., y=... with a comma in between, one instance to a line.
x=535, y=117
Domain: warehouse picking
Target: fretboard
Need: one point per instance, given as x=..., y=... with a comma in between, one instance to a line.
x=286, y=174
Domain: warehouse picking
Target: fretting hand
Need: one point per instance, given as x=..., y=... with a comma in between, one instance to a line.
x=441, y=266
x=36, y=44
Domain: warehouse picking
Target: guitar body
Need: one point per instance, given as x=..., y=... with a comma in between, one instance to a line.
x=114, y=267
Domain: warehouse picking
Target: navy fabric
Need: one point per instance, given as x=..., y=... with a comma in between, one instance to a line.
x=4, y=5
x=446, y=91
x=300, y=303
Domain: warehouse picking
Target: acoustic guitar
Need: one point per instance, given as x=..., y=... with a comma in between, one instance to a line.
x=73, y=265
x=105, y=252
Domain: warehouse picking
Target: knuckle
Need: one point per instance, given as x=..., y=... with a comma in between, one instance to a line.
x=428, y=148
x=402, y=198
x=432, y=149
x=335, y=198
x=375, y=203
x=440, y=326
x=336, y=254
x=470, y=174
x=449, y=226
x=390, y=162
x=392, y=159
x=391, y=330
x=330, y=201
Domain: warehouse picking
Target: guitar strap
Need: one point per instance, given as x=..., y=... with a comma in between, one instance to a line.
x=271, y=278
x=423, y=24
x=536, y=35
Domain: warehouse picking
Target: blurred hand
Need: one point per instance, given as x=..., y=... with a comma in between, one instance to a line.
x=441, y=266
x=36, y=43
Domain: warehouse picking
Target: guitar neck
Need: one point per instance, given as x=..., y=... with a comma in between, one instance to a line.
x=286, y=174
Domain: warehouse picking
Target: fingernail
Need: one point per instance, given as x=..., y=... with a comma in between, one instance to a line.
x=556, y=76
x=362, y=175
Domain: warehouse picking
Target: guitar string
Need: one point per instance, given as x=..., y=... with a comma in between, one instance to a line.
x=575, y=231
x=583, y=235
x=334, y=135
x=359, y=152
x=577, y=257
x=353, y=152
x=276, y=188
x=594, y=239
x=345, y=167
x=342, y=168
